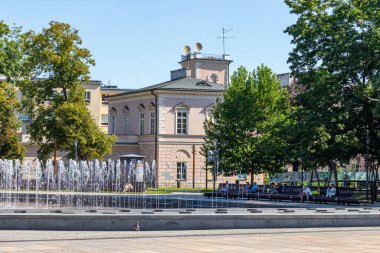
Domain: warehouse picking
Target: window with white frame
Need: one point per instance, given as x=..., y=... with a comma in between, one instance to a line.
x=111, y=124
x=182, y=122
x=209, y=114
x=125, y=123
x=104, y=119
x=152, y=122
x=181, y=170
x=87, y=96
x=142, y=123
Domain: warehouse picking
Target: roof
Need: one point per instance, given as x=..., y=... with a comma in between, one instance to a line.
x=181, y=84
x=115, y=89
x=97, y=82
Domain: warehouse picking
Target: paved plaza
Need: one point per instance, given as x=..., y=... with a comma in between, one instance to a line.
x=252, y=240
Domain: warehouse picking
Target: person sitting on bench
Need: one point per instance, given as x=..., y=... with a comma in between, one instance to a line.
x=320, y=191
x=306, y=192
x=128, y=187
x=279, y=187
x=346, y=181
x=254, y=188
x=331, y=191
x=226, y=187
x=273, y=189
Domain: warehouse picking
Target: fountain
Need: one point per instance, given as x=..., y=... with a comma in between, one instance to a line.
x=96, y=185
x=83, y=184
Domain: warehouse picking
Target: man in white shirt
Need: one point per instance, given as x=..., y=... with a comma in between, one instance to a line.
x=306, y=191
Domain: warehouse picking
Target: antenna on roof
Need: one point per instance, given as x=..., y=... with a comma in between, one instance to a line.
x=224, y=31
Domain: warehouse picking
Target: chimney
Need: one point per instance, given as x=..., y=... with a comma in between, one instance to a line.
x=179, y=73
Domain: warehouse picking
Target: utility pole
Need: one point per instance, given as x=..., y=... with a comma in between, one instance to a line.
x=368, y=139
x=193, y=166
x=216, y=165
x=55, y=157
x=76, y=150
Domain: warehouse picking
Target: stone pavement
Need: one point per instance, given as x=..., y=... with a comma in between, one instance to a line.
x=251, y=240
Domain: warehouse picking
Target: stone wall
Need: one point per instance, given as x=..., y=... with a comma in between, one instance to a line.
x=171, y=154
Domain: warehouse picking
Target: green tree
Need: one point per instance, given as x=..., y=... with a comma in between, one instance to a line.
x=323, y=134
x=248, y=123
x=10, y=147
x=336, y=57
x=11, y=62
x=55, y=104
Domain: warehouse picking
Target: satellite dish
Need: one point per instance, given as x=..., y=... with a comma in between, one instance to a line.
x=187, y=50
x=198, y=46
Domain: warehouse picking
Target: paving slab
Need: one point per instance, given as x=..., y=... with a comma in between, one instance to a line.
x=252, y=240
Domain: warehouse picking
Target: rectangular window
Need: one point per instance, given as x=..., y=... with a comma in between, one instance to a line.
x=125, y=125
x=87, y=96
x=209, y=114
x=181, y=122
x=111, y=125
x=141, y=123
x=152, y=122
x=181, y=171
x=104, y=119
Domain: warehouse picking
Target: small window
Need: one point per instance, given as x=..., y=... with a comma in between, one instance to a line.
x=181, y=171
x=111, y=125
x=182, y=122
x=87, y=96
x=104, y=119
x=125, y=124
x=209, y=114
x=152, y=122
x=141, y=123
x=213, y=78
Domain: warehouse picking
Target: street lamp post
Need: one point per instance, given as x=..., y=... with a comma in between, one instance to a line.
x=367, y=140
x=213, y=156
x=76, y=149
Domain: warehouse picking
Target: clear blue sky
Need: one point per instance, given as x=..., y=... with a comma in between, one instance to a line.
x=136, y=43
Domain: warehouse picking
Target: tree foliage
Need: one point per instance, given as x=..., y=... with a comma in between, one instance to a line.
x=10, y=68
x=336, y=58
x=55, y=104
x=248, y=123
x=10, y=147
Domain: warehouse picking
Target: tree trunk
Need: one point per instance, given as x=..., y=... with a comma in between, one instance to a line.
x=65, y=93
x=311, y=177
x=251, y=176
x=316, y=175
x=333, y=165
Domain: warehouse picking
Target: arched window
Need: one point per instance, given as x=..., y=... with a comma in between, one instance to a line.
x=112, y=121
x=213, y=78
x=125, y=121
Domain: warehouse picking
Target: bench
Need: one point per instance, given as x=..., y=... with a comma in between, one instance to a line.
x=215, y=194
x=234, y=191
x=289, y=193
x=348, y=201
